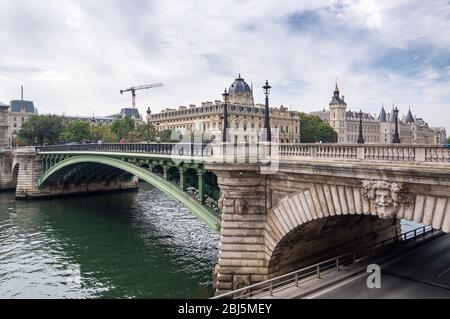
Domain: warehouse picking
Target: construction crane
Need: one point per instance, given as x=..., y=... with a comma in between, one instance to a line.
x=137, y=88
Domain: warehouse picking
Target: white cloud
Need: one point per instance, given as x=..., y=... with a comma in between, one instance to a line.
x=75, y=56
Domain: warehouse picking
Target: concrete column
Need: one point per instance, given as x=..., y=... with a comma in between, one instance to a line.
x=165, y=171
x=201, y=186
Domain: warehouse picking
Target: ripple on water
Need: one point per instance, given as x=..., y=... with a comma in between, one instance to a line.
x=133, y=245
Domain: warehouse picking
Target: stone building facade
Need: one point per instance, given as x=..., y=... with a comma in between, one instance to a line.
x=19, y=112
x=245, y=118
x=4, y=125
x=377, y=129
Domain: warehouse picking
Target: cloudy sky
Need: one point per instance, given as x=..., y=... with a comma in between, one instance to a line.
x=73, y=57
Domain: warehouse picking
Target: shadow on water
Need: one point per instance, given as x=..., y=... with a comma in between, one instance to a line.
x=126, y=245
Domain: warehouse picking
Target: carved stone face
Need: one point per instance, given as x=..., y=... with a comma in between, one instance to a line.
x=386, y=197
x=384, y=203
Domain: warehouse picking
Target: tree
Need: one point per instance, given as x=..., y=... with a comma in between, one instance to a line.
x=102, y=132
x=313, y=129
x=165, y=136
x=141, y=133
x=77, y=131
x=41, y=129
x=448, y=141
x=122, y=127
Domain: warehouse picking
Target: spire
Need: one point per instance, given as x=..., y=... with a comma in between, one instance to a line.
x=336, y=90
x=392, y=118
x=409, y=117
x=382, y=116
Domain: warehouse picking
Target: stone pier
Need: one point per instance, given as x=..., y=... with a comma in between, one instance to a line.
x=6, y=170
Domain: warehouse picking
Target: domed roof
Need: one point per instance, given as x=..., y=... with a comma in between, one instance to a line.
x=240, y=87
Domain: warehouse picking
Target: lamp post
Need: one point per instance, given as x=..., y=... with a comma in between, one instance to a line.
x=149, y=112
x=226, y=95
x=360, y=137
x=92, y=128
x=396, y=138
x=267, y=129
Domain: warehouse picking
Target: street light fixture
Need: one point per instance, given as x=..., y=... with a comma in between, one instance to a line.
x=92, y=128
x=267, y=129
x=360, y=137
x=396, y=138
x=226, y=96
x=149, y=112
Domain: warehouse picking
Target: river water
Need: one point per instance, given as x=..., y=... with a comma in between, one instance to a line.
x=122, y=245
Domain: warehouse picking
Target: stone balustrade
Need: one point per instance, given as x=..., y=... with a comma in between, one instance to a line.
x=391, y=153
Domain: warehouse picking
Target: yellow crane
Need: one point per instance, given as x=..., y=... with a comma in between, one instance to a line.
x=138, y=88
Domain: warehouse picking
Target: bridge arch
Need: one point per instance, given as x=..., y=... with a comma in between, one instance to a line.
x=326, y=218
x=147, y=175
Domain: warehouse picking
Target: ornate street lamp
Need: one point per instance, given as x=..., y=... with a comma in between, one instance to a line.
x=267, y=129
x=149, y=112
x=360, y=137
x=226, y=96
x=396, y=138
x=92, y=128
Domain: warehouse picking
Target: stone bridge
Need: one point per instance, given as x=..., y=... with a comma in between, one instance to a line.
x=282, y=206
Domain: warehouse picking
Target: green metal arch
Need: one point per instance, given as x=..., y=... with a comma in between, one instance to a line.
x=193, y=205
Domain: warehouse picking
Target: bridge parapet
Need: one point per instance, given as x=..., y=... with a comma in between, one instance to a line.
x=397, y=153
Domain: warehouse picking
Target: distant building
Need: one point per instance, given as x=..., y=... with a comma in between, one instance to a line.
x=377, y=129
x=90, y=119
x=243, y=116
x=19, y=112
x=4, y=125
x=132, y=113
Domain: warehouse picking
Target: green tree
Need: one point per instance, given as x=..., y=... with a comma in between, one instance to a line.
x=41, y=129
x=122, y=127
x=165, y=136
x=448, y=140
x=313, y=129
x=77, y=131
x=102, y=132
x=141, y=133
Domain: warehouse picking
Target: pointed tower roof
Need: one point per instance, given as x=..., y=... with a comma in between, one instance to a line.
x=409, y=117
x=382, y=116
x=392, y=118
x=336, y=89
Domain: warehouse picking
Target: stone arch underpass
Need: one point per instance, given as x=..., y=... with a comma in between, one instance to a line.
x=327, y=220
x=91, y=166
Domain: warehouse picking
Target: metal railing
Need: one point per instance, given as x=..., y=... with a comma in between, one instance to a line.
x=319, y=269
x=181, y=149
x=255, y=152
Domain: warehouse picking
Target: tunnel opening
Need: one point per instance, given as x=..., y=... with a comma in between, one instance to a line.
x=327, y=238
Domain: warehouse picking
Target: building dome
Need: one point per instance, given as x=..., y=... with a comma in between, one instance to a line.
x=240, y=87
x=241, y=93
